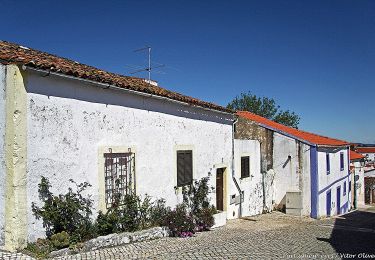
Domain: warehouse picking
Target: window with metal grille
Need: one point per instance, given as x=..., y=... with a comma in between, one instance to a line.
x=119, y=172
x=184, y=167
x=245, y=166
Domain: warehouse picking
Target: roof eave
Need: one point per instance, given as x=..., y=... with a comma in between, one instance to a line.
x=103, y=85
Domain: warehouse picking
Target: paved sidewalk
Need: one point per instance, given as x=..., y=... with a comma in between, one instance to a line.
x=270, y=236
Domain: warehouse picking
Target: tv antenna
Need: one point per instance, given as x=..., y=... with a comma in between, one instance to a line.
x=149, y=67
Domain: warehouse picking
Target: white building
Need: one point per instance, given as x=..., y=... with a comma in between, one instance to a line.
x=368, y=152
x=304, y=173
x=357, y=179
x=64, y=120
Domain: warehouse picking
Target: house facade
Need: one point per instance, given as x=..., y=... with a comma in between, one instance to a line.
x=357, y=179
x=368, y=152
x=303, y=173
x=64, y=120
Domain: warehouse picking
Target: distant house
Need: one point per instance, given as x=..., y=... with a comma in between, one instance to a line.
x=370, y=186
x=65, y=120
x=303, y=173
x=357, y=178
x=368, y=152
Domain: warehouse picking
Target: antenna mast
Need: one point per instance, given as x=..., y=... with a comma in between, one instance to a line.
x=148, y=68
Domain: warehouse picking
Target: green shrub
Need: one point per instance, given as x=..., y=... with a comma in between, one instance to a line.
x=133, y=214
x=180, y=222
x=60, y=240
x=158, y=212
x=204, y=219
x=129, y=213
x=39, y=249
x=108, y=223
x=195, y=197
x=68, y=212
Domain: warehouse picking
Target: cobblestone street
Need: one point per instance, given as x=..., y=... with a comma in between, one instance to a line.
x=270, y=236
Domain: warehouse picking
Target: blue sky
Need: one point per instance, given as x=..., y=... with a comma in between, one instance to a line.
x=316, y=58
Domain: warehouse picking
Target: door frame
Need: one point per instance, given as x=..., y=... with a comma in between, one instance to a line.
x=225, y=183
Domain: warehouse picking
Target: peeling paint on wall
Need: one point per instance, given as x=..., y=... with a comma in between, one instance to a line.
x=69, y=122
x=252, y=185
x=16, y=159
x=247, y=129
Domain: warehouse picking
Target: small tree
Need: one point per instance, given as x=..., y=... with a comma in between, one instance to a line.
x=265, y=107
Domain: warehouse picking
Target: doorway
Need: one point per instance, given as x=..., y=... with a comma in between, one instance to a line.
x=220, y=189
x=338, y=200
x=328, y=203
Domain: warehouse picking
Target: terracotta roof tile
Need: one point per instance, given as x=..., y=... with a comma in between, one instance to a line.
x=355, y=156
x=365, y=149
x=296, y=133
x=11, y=53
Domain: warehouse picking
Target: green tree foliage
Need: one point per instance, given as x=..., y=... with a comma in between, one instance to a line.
x=265, y=107
x=68, y=212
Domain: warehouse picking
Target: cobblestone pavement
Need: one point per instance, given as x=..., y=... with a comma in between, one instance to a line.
x=269, y=236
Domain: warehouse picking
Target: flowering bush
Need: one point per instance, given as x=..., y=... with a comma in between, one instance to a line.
x=180, y=222
x=198, y=203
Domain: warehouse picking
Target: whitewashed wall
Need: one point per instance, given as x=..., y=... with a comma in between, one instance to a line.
x=331, y=180
x=289, y=174
x=306, y=180
x=370, y=156
x=286, y=171
x=2, y=152
x=359, y=171
x=68, y=121
x=252, y=186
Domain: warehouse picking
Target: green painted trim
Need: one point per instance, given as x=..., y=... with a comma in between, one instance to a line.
x=15, y=160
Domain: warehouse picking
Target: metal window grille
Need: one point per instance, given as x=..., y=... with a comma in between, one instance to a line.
x=119, y=171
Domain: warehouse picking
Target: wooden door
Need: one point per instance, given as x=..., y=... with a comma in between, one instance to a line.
x=220, y=189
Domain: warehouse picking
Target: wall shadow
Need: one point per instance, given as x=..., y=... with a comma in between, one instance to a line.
x=353, y=234
x=53, y=86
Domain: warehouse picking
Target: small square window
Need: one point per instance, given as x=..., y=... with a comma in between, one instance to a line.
x=245, y=166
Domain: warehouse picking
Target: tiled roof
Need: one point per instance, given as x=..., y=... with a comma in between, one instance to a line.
x=11, y=53
x=365, y=149
x=296, y=133
x=355, y=156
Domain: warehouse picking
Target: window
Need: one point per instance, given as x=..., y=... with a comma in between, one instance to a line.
x=245, y=166
x=341, y=161
x=184, y=167
x=350, y=186
x=119, y=169
x=344, y=188
x=328, y=163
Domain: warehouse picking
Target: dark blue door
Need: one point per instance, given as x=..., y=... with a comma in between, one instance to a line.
x=328, y=203
x=338, y=200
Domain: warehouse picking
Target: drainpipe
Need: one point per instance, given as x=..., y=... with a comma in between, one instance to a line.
x=233, y=171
